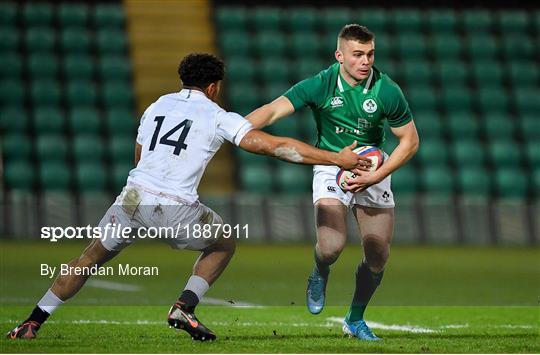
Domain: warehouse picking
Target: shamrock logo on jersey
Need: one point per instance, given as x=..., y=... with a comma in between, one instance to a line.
x=369, y=106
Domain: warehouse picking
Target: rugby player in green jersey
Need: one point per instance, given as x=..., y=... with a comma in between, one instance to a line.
x=350, y=101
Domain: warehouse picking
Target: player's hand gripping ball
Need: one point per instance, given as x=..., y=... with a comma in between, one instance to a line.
x=372, y=153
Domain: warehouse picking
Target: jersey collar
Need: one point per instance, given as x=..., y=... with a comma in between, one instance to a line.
x=188, y=93
x=343, y=85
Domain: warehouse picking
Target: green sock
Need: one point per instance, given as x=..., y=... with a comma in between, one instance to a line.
x=366, y=284
x=356, y=313
x=320, y=267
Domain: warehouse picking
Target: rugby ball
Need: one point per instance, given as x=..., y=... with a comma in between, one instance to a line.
x=372, y=153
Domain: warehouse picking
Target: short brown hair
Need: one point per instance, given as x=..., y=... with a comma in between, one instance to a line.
x=356, y=32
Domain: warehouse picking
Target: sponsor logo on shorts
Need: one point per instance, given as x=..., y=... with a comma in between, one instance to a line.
x=386, y=196
x=331, y=188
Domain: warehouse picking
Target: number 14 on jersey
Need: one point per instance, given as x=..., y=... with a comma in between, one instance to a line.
x=179, y=144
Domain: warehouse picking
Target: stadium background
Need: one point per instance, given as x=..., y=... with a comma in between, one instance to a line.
x=76, y=77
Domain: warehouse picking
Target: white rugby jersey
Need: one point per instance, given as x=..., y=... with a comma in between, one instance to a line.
x=179, y=134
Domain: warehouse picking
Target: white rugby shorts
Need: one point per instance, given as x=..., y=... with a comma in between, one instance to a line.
x=325, y=186
x=140, y=209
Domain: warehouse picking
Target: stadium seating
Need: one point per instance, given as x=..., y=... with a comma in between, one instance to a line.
x=91, y=177
x=474, y=181
x=19, y=175
x=472, y=88
x=121, y=150
x=510, y=183
x=17, y=147
x=84, y=120
x=532, y=152
x=109, y=16
x=52, y=147
x=295, y=179
x=112, y=68
x=246, y=158
x=256, y=178
x=88, y=148
x=438, y=181
x=78, y=67
x=442, y=21
x=451, y=72
x=430, y=126
x=40, y=39
x=405, y=180
x=504, y=153
x=301, y=20
x=266, y=18
x=463, y=125
x=37, y=14
x=468, y=154
x=48, y=120
x=119, y=122
x=54, y=176
x=477, y=21
x=447, y=46
x=81, y=93
x=119, y=174
x=14, y=119
x=66, y=96
x=536, y=181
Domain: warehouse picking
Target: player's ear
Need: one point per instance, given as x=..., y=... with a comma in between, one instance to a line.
x=212, y=90
x=339, y=56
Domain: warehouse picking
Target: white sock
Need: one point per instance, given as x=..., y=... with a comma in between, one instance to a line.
x=49, y=302
x=197, y=285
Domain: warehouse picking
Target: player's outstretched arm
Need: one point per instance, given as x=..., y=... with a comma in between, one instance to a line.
x=291, y=150
x=270, y=113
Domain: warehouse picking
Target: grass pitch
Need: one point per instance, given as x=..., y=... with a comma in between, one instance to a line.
x=441, y=300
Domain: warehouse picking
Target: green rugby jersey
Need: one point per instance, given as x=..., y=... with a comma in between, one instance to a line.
x=344, y=113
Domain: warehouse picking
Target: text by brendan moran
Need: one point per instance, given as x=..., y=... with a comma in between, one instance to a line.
x=119, y=270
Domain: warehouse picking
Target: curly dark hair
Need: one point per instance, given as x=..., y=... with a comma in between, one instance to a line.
x=357, y=33
x=200, y=70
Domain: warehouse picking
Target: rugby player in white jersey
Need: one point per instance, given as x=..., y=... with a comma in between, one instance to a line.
x=178, y=135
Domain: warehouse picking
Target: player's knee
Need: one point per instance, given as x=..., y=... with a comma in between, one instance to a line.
x=227, y=245
x=376, y=252
x=329, y=251
x=329, y=256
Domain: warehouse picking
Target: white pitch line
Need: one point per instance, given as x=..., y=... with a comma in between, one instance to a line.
x=104, y=321
x=402, y=328
x=510, y=326
x=115, y=286
x=454, y=326
x=213, y=323
x=331, y=322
